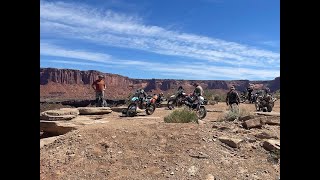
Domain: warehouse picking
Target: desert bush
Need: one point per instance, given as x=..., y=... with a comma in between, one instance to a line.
x=277, y=94
x=274, y=156
x=214, y=95
x=217, y=98
x=233, y=114
x=181, y=116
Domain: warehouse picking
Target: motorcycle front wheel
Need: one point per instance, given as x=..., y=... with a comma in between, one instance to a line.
x=202, y=112
x=257, y=106
x=170, y=104
x=132, y=110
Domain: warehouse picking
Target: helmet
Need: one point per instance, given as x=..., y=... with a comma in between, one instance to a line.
x=232, y=88
x=161, y=93
x=101, y=76
x=142, y=91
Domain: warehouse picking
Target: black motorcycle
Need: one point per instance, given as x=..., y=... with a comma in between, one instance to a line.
x=196, y=105
x=177, y=100
x=265, y=103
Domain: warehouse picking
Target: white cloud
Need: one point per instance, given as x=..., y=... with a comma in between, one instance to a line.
x=182, y=70
x=114, y=29
x=52, y=50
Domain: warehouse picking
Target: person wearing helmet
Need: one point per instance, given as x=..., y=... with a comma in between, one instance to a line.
x=232, y=97
x=99, y=86
x=142, y=95
x=266, y=90
x=159, y=98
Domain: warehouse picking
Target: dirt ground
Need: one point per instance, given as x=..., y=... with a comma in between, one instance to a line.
x=144, y=147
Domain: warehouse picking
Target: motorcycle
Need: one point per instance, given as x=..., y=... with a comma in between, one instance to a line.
x=265, y=103
x=146, y=103
x=177, y=100
x=196, y=105
x=159, y=100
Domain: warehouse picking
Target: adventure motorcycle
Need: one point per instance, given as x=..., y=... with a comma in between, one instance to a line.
x=143, y=103
x=265, y=103
x=196, y=105
x=177, y=100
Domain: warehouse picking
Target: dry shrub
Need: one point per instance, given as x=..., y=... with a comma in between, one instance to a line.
x=181, y=116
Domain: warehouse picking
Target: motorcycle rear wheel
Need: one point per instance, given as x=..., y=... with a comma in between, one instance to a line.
x=150, y=110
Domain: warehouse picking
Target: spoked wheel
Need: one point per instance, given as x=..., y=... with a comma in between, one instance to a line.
x=257, y=106
x=202, y=112
x=132, y=110
x=269, y=107
x=150, y=110
x=171, y=104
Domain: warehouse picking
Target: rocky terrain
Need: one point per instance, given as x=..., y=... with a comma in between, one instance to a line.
x=75, y=84
x=109, y=146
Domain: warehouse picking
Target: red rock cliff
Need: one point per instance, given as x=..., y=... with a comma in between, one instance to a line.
x=69, y=83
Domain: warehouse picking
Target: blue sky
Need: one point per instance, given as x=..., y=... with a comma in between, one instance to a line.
x=163, y=39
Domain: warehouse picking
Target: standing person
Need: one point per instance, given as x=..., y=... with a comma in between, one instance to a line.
x=198, y=91
x=232, y=97
x=99, y=86
x=250, y=89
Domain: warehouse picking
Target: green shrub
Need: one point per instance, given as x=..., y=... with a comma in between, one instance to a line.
x=217, y=98
x=277, y=94
x=233, y=114
x=181, y=116
x=274, y=156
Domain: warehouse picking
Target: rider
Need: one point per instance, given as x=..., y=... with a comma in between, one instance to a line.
x=142, y=95
x=250, y=89
x=180, y=91
x=160, y=96
x=198, y=91
x=232, y=97
x=266, y=95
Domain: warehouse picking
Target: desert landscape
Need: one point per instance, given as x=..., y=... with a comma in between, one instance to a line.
x=102, y=143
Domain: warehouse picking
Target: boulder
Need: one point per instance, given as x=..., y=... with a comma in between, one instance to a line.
x=232, y=142
x=94, y=110
x=271, y=145
x=277, y=114
x=59, y=114
x=271, y=121
x=265, y=135
x=61, y=127
x=252, y=123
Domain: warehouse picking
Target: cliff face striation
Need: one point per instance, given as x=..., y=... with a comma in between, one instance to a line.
x=76, y=84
